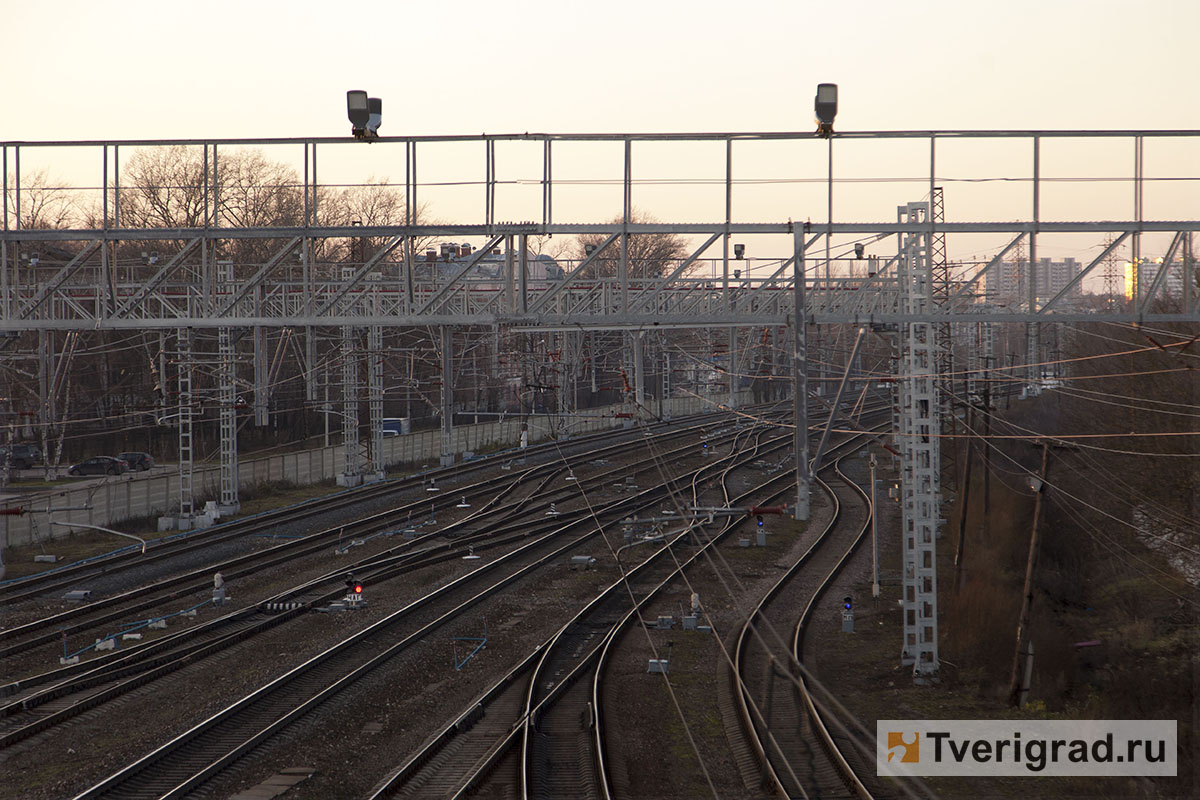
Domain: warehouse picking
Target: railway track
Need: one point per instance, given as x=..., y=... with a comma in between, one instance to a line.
x=475, y=529
x=538, y=732
x=39, y=702
x=196, y=582
x=162, y=551
x=269, y=710
x=505, y=737
x=787, y=740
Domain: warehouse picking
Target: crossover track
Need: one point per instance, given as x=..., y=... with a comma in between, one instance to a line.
x=41, y=701
x=190, y=760
x=539, y=732
x=789, y=741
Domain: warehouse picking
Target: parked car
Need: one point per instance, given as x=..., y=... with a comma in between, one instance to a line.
x=21, y=456
x=99, y=465
x=139, y=462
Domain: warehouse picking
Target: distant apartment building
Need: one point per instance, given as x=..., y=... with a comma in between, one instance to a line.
x=1008, y=281
x=1171, y=284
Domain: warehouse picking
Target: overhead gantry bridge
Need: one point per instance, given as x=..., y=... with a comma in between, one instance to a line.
x=900, y=232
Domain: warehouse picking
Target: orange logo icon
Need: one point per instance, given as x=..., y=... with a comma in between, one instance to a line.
x=906, y=746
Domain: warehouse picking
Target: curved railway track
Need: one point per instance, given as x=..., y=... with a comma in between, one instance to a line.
x=176, y=768
x=540, y=694
x=787, y=739
x=161, y=551
x=511, y=735
x=538, y=732
x=113, y=609
x=41, y=701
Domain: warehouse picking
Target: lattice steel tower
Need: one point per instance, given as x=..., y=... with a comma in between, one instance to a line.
x=919, y=445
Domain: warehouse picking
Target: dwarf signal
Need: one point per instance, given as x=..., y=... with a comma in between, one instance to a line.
x=354, y=593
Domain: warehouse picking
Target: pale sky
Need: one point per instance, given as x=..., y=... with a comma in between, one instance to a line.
x=77, y=70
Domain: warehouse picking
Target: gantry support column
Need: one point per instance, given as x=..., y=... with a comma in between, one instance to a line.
x=800, y=378
x=638, y=341
x=262, y=377
x=377, y=466
x=666, y=378
x=447, y=396
x=47, y=394
x=227, y=401
x=351, y=474
x=920, y=462
x=187, y=506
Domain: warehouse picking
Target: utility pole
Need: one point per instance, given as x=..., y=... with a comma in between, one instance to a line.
x=1014, y=684
x=987, y=444
x=960, y=553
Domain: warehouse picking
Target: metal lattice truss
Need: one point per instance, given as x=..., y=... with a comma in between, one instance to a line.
x=919, y=427
x=286, y=287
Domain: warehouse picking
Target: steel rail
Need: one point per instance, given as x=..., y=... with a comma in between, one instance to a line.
x=832, y=751
x=382, y=565
x=507, y=738
x=619, y=509
x=18, y=589
x=199, y=579
x=534, y=704
x=752, y=717
x=471, y=717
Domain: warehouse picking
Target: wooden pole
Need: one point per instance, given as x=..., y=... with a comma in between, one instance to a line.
x=960, y=553
x=1014, y=685
x=987, y=448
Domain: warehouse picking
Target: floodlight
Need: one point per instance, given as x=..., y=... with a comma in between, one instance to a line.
x=375, y=116
x=859, y=248
x=358, y=111
x=739, y=251
x=826, y=107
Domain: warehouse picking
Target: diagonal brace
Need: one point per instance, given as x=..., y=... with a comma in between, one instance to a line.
x=1084, y=273
x=837, y=401
x=358, y=275
x=156, y=280
x=256, y=279
x=475, y=259
x=570, y=277
x=61, y=278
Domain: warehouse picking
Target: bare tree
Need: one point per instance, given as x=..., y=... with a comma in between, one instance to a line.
x=45, y=202
x=163, y=187
x=650, y=255
x=255, y=191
